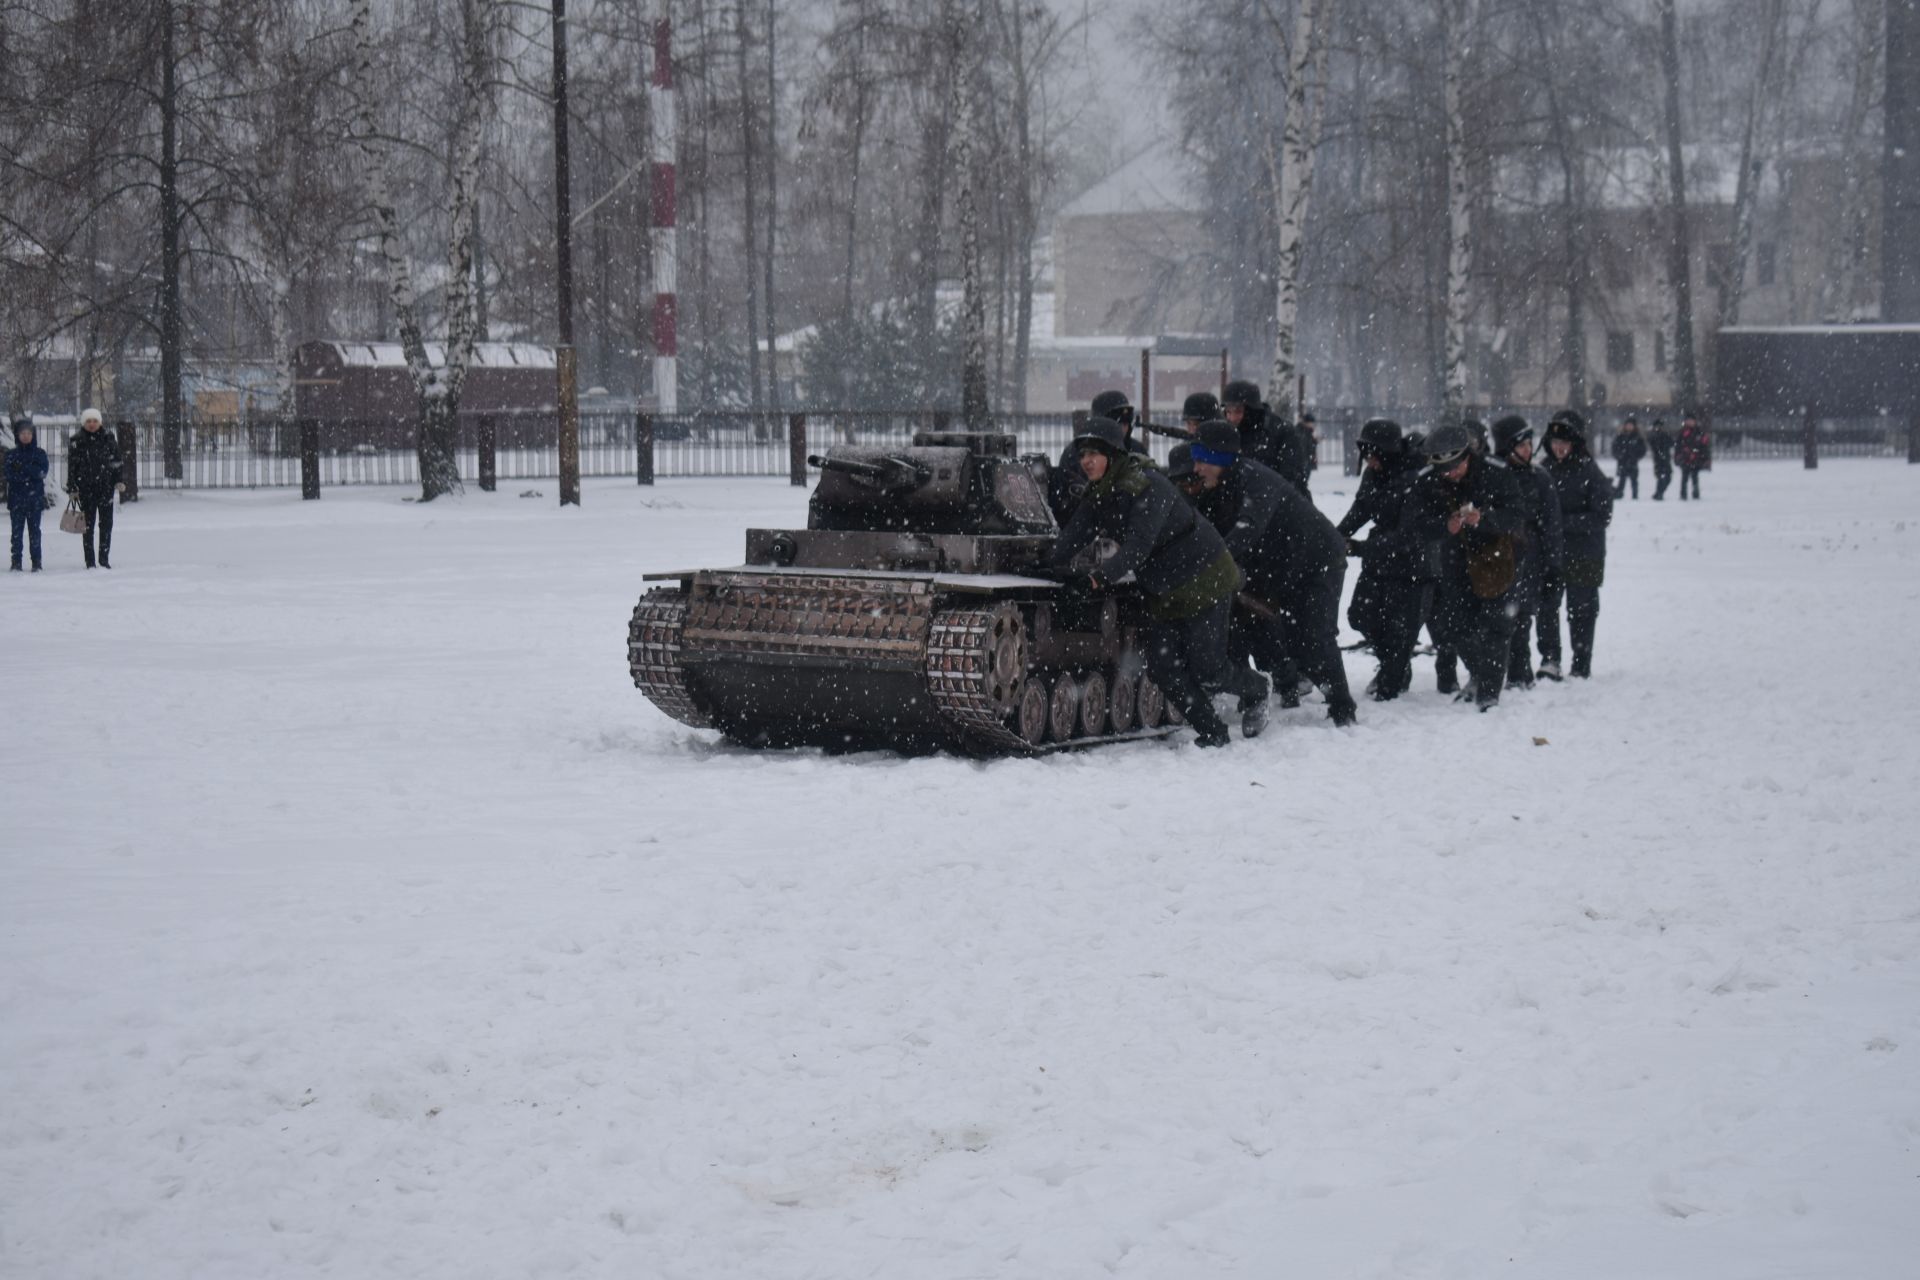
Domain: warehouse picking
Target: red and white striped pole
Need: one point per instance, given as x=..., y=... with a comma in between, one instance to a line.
x=666, y=258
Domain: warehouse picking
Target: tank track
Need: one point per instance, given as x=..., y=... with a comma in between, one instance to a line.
x=653, y=655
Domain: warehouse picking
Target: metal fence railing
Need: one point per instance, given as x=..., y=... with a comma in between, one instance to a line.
x=229, y=455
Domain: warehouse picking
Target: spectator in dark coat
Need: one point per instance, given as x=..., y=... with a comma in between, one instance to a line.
x=93, y=476
x=1181, y=565
x=1629, y=448
x=1293, y=559
x=1472, y=509
x=26, y=476
x=1586, y=508
x=1660, y=444
x=1694, y=453
x=1393, y=561
x=1545, y=548
x=1279, y=446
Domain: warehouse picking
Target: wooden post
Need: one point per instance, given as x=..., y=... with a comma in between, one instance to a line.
x=643, y=447
x=1809, y=439
x=568, y=360
x=489, y=471
x=1223, y=373
x=797, y=449
x=309, y=459
x=1144, y=412
x=1349, y=449
x=129, y=462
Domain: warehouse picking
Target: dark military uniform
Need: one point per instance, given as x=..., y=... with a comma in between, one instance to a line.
x=93, y=469
x=1586, y=508
x=1629, y=448
x=1295, y=563
x=1386, y=607
x=1279, y=446
x=1478, y=565
x=1544, y=549
x=1660, y=443
x=1186, y=573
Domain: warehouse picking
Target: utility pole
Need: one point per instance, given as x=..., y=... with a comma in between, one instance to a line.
x=666, y=350
x=566, y=358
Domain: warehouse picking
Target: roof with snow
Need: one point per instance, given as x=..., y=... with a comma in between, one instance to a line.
x=500, y=355
x=1160, y=179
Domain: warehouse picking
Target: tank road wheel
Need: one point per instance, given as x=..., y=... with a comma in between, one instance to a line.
x=1030, y=721
x=653, y=656
x=1093, y=705
x=1151, y=705
x=1063, y=707
x=977, y=672
x=1124, y=695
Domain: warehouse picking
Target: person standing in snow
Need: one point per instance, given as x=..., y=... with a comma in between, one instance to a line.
x=1629, y=447
x=1446, y=663
x=1277, y=445
x=1545, y=546
x=1472, y=509
x=1294, y=562
x=93, y=477
x=1180, y=564
x=1694, y=453
x=26, y=478
x=1386, y=600
x=1660, y=444
x=1586, y=508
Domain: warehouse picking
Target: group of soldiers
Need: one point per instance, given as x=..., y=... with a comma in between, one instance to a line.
x=1242, y=574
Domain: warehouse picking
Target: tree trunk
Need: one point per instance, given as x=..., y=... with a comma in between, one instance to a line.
x=172, y=404
x=1686, y=381
x=973, y=307
x=1847, y=249
x=1291, y=174
x=1454, y=17
x=773, y=220
x=750, y=223
x=1746, y=189
x=1573, y=339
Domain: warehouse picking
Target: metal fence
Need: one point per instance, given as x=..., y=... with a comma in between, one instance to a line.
x=244, y=455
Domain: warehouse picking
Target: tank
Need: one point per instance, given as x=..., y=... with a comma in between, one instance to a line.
x=911, y=613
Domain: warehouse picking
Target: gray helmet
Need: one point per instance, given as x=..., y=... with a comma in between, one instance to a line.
x=1381, y=436
x=1508, y=432
x=1447, y=445
x=1242, y=392
x=1200, y=406
x=1113, y=404
x=1479, y=430
x=1180, y=463
x=1103, y=434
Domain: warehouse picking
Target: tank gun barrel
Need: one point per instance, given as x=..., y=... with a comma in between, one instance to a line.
x=890, y=473
x=1171, y=433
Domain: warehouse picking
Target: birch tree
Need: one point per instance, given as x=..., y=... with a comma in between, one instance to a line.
x=1761, y=95
x=1457, y=24
x=436, y=389
x=1291, y=174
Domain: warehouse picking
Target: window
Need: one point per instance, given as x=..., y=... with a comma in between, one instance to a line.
x=1617, y=267
x=1769, y=264
x=1619, y=352
x=1659, y=350
x=1520, y=348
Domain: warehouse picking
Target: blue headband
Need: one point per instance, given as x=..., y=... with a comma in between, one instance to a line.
x=1203, y=454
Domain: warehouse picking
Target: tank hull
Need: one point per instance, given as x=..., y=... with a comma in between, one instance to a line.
x=849, y=660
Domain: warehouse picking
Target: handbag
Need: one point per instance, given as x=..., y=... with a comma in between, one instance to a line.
x=73, y=519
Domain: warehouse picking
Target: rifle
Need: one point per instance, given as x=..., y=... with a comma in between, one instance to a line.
x=1171, y=433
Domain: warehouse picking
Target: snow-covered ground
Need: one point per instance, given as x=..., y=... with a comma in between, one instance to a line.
x=358, y=918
